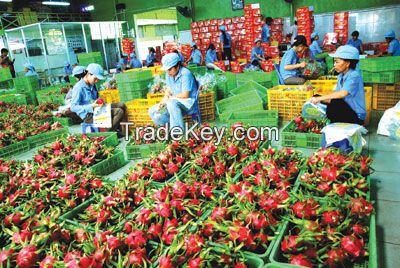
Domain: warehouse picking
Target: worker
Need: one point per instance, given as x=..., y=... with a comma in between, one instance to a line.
x=135, y=62
x=181, y=94
x=257, y=53
x=67, y=71
x=78, y=72
x=84, y=98
x=293, y=32
x=266, y=29
x=355, y=41
x=211, y=57
x=6, y=62
x=394, y=46
x=290, y=62
x=122, y=63
x=151, y=58
x=347, y=103
x=316, y=53
x=180, y=55
x=195, y=57
x=30, y=70
x=226, y=43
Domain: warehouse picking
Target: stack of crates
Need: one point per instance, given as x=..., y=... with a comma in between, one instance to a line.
x=251, y=85
x=28, y=86
x=51, y=94
x=16, y=98
x=225, y=83
x=265, y=79
x=385, y=96
x=109, y=95
x=87, y=58
x=288, y=100
x=383, y=70
x=197, y=70
x=133, y=85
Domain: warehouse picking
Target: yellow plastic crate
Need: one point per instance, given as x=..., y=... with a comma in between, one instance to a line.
x=110, y=95
x=140, y=119
x=323, y=87
x=288, y=100
x=133, y=70
x=155, y=95
x=137, y=106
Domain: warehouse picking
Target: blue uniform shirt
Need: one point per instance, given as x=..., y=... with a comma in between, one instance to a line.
x=357, y=44
x=256, y=50
x=31, y=73
x=314, y=50
x=184, y=81
x=265, y=34
x=135, y=63
x=150, y=59
x=83, y=96
x=211, y=56
x=196, y=56
x=289, y=58
x=394, y=48
x=68, y=70
x=228, y=36
x=352, y=82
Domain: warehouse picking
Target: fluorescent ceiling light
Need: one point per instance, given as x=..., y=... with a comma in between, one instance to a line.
x=7, y=1
x=55, y=3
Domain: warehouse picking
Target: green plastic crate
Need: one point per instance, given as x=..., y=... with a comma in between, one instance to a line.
x=276, y=255
x=389, y=77
x=197, y=70
x=297, y=139
x=109, y=165
x=16, y=98
x=5, y=74
x=329, y=63
x=133, y=76
x=380, y=64
x=251, y=85
x=249, y=101
x=14, y=149
x=268, y=118
x=134, y=151
x=73, y=212
x=111, y=139
x=142, y=85
x=26, y=83
x=64, y=121
x=46, y=137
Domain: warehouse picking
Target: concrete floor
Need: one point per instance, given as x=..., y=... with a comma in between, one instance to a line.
x=385, y=188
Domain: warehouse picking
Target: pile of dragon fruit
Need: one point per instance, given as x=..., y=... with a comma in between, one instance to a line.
x=195, y=204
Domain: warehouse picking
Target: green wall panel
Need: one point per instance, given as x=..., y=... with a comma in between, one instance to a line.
x=323, y=6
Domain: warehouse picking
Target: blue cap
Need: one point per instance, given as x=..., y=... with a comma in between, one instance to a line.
x=66, y=63
x=170, y=60
x=96, y=70
x=192, y=44
x=346, y=52
x=29, y=66
x=257, y=40
x=222, y=28
x=133, y=55
x=390, y=34
x=313, y=35
x=78, y=70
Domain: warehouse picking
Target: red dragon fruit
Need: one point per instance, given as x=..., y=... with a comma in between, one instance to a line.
x=353, y=246
x=27, y=257
x=301, y=260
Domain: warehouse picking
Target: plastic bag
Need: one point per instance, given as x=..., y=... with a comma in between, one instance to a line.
x=102, y=116
x=207, y=82
x=388, y=122
x=313, y=111
x=337, y=133
x=313, y=70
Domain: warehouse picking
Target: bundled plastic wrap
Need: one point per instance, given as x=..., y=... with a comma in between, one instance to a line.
x=390, y=123
x=313, y=111
x=208, y=82
x=347, y=137
x=313, y=70
x=158, y=85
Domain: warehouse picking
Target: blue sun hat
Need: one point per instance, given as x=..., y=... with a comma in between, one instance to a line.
x=78, y=70
x=390, y=34
x=346, y=52
x=96, y=70
x=314, y=34
x=222, y=28
x=170, y=60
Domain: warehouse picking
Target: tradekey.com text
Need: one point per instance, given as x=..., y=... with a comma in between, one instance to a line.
x=205, y=133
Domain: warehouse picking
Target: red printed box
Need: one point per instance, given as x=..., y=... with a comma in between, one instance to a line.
x=213, y=28
x=196, y=30
x=206, y=41
x=194, y=25
x=278, y=21
x=235, y=19
x=214, y=22
x=239, y=25
x=195, y=36
x=221, y=22
x=341, y=16
x=204, y=29
x=200, y=23
x=302, y=9
x=207, y=23
x=231, y=27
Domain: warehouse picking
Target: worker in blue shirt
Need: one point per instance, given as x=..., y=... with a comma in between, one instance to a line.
x=85, y=94
x=67, y=71
x=78, y=72
x=355, y=42
x=151, y=58
x=316, y=53
x=180, y=55
x=290, y=62
x=135, y=62
x=181, y=96
x=257, y=53
x=122, y=63
x=347, y=103
x=266, y=29
x=196, y=56
x=226, y=43
x=30, y=70
x=394, y=46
